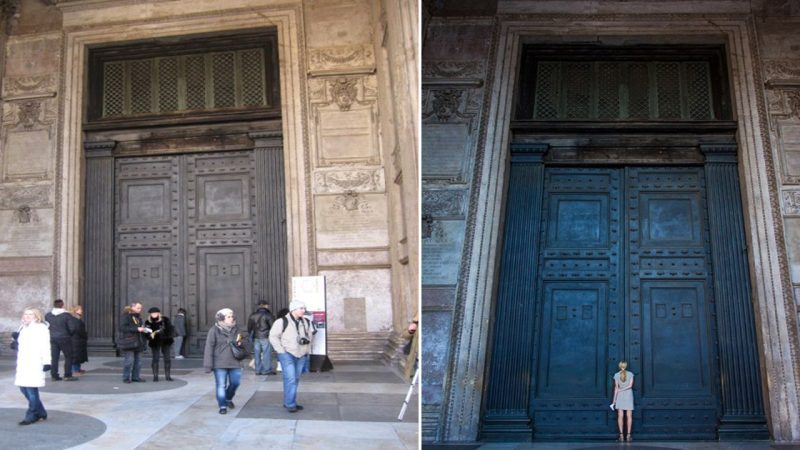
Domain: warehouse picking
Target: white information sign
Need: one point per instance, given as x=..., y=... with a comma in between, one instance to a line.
x=311, y=291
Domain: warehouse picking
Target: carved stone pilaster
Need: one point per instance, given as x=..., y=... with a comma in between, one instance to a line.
x=742, y=403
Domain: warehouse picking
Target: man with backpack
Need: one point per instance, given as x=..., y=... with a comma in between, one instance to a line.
x=258, y=327
x=292, y=341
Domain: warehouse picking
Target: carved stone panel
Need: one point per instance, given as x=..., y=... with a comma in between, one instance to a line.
x=442, y=251
x=344, y=115
x=791, y=203
x=789, y=137
x=443, y=203
x=447, y=149
x=26, y=231
x=13, y=197
x=351, y=220
x=341, y=60
x=792, y=229
x=352, y=180
x=28, y=139
x=21, y=290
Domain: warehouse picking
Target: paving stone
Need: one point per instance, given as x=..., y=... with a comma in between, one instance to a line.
x=61, y=429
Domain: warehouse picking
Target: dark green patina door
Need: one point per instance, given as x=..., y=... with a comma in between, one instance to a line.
x=625, y=274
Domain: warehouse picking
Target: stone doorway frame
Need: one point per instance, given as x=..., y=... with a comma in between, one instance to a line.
x=776, y=320
x=70, y=188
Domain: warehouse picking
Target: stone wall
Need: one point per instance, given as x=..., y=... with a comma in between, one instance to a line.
x=28, y=158
x=464, y=151
x=346, y=218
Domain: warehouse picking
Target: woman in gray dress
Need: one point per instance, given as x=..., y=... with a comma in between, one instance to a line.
x=623, y=398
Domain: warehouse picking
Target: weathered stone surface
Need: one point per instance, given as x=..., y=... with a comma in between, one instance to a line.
x=345, y=258
x=442, y=252
x=351, y=221
x=26, y=233
x=437, y=326
x=20, y=291
x=374, y=286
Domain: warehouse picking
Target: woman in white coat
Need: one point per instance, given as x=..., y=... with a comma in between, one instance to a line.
x=33, y=361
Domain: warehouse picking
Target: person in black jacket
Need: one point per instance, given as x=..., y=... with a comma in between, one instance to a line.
x=62, y=327
x=160, y=341
x=80, y=340
x=258, y=329
x=131, y=342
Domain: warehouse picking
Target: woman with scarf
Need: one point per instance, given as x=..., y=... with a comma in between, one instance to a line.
x=33, y=361
x=219, y=357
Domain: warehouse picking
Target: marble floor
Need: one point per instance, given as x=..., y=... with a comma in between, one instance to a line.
x=354, y=406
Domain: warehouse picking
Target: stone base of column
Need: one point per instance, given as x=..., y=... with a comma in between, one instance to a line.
x=737, y=428
x=513, y=426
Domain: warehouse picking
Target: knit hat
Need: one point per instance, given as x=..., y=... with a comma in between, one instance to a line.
x=153, y=310
x=295, y=304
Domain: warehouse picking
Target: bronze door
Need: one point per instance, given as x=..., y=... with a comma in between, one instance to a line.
x=185, y=235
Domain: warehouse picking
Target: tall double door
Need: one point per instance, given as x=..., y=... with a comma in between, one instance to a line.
x=188, y=231
x=624, y=274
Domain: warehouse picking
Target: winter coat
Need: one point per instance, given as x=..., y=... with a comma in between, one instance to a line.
x=33, y=355
x=61, y=324
x=259, y=323
x=163, y=332
x=180, y=325
x=286, y=340
x=80, y=342
x=129, y=332
x=218, y=353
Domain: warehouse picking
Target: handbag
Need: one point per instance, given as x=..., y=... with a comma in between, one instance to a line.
x=129, y=342
x=239, y=351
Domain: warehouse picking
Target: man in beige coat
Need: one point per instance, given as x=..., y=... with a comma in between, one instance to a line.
x=291, y=336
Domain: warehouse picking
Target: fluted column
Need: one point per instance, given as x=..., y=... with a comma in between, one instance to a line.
x=271, y=213
x=509, y=382
x=742, y=401
x=98, y=259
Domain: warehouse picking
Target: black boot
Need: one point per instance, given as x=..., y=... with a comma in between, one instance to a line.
x=155, y=371
x=167, y=364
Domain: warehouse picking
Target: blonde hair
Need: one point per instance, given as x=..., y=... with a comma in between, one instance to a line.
x=623, y=375
x=74, y=310
x=37, y=313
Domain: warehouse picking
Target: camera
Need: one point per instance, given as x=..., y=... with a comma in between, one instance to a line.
x=303, y=340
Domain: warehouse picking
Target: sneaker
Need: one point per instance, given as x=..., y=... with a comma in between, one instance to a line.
x=223, y=411
x=179, y=357
x=230, y=404
x=293, y=409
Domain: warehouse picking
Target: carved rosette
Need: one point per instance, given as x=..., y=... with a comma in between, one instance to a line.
x=444, y=104
x=343, y=181
x=443, y=203
x=353, y=59
x=791, y=203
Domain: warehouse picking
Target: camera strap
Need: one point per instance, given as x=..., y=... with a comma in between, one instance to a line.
x=297, y=325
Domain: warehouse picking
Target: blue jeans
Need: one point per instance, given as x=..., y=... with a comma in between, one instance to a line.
x=263, y=363
x=292, y=369
x=76, y=368
x=227, y=381
x=35, y=407
x=132, y=365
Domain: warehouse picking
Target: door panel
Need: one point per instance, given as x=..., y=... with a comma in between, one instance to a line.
x=580, y=304
x=670, y=326
x=225, y=282
x=146, y=277
x=625, y=275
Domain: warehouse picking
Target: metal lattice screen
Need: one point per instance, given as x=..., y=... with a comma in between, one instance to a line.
x=198, y=82
x=602, y=90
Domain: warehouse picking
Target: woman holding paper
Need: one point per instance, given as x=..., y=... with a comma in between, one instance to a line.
x=623, y=399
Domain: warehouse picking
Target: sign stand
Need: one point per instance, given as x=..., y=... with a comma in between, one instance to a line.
x=311, y=291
